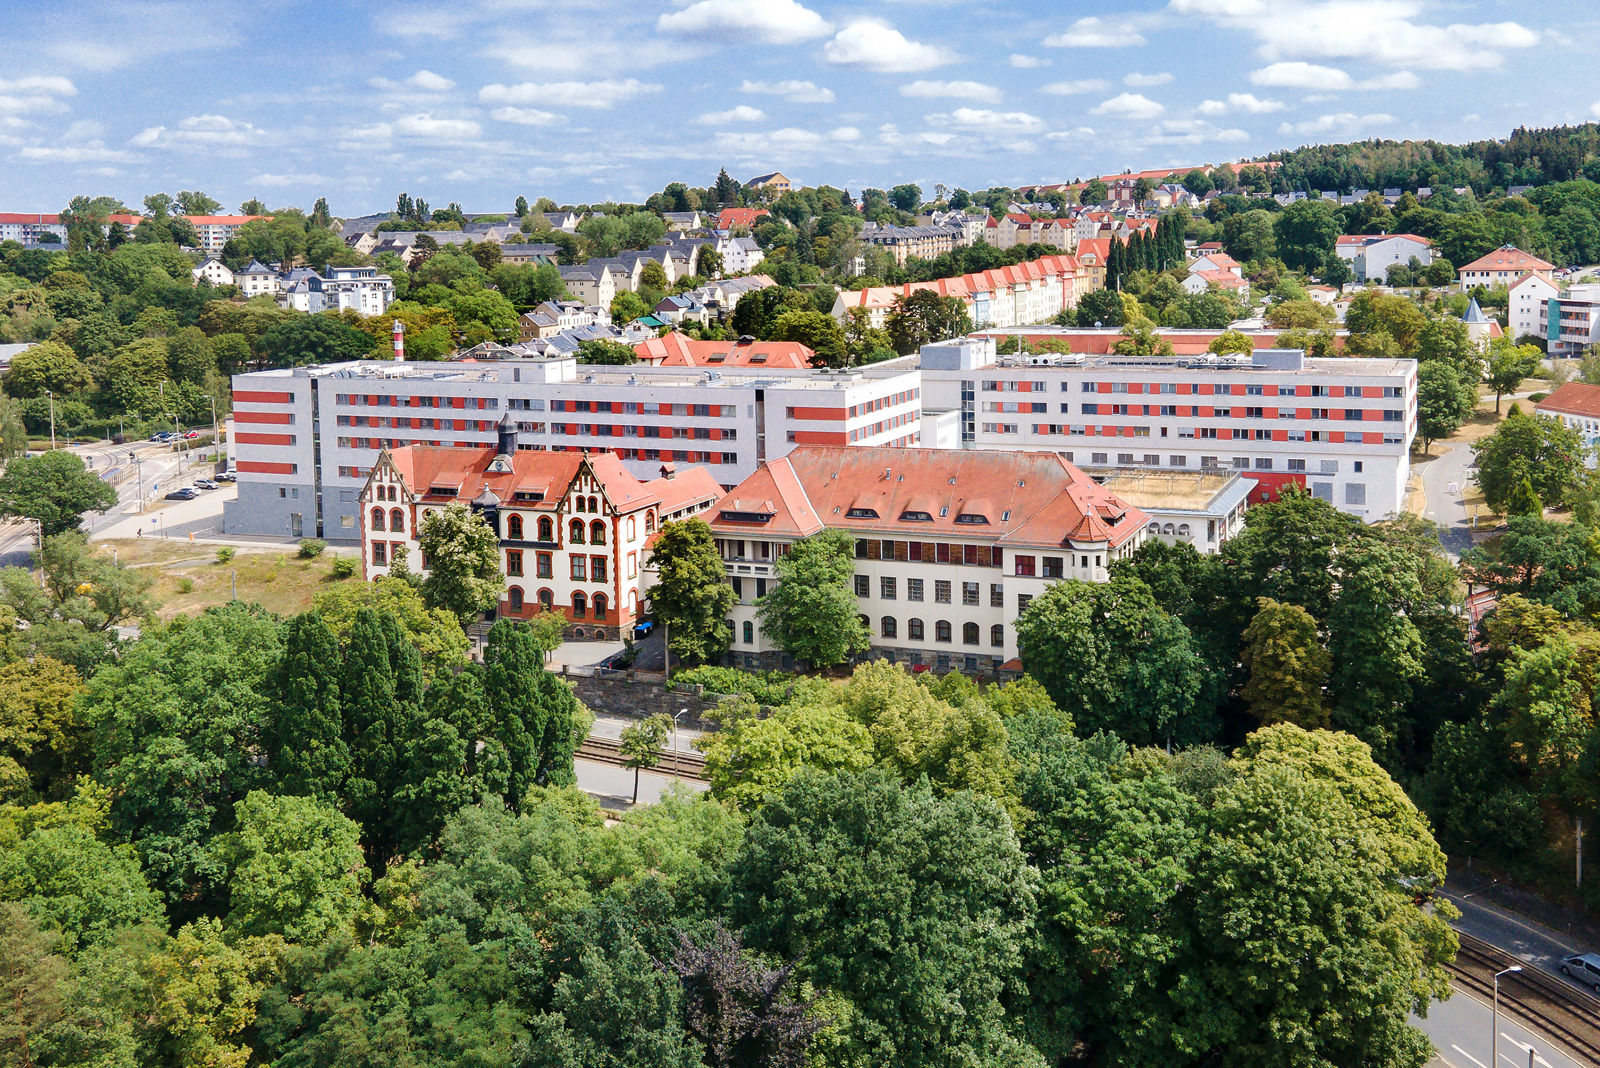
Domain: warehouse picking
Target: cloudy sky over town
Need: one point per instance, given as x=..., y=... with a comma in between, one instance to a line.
x=585, y=100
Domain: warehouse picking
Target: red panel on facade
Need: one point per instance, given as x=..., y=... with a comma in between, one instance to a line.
x=820, y=437
x=280, y=418
x=819, y=413
x=1271, y=484
x=246, y=438
x=261, y=397
x=264, y=468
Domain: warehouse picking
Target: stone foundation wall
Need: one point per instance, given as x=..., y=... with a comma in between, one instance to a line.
x=624, y=693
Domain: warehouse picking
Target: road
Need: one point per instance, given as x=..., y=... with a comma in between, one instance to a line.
x=613, y=786
x=1443, y=481
x=1460, y=1030
x=1530, y=942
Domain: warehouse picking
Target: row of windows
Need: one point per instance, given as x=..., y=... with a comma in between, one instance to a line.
x=384, y=400
x=1189, y=433
x=702, y=411
x=928, y=552
x=1390, y=415
x=582, y=605
x=413, y=423
x=883, y=426
x=916, y=631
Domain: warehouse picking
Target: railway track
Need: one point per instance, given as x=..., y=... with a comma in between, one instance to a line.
x=691, y=765
x=1545, y=1002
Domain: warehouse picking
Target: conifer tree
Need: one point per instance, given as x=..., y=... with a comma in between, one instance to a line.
x=306, y=746
x=532, y=711
x=368, y=702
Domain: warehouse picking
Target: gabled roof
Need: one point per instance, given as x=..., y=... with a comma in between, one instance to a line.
x=1018, y=499
x=731, y=217
x=1573, y=398
x=541, y=478
x=1224, y=279
x=1509, y=258
x=679, y=350
x=1530, y=277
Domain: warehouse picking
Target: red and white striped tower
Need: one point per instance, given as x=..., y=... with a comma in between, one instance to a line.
x=399, y=341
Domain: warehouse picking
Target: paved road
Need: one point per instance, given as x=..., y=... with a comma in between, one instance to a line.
x=1460, y=1030
x=613, y=786
x=1530, y=942
x=1443, y=481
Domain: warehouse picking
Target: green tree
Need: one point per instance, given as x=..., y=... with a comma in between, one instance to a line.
x=924, y=316
x=1232, y=342
x=294, y=868
x=1093, y=192
x=602, y=351
x=812, y=612
x=462, y=556
x=1139, y=338
x=1306, y=231
x=41, y=741
x=434, y=632
x=537, y=719
x=1288, y=667
x=48, y=367
x=1113, y=659
x=55, y=488
x=691, y=597
x=1336, y=272
x=1102, y=307
x=750, y=756
x=1508, y=364
x=1375, y=645
x=1546, y=562
x=1443, y=402
x=305, y=741
x=627, y=306
x=312, y=339
x=899, y=902
x=641, y=745
x=1524, y=501
x=819, y=332
x=1546, y=452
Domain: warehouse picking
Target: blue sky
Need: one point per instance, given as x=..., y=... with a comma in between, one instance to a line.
x=583, y=100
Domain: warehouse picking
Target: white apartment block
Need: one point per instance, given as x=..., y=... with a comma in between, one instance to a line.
x=949, y=546
x=1526, y=313
x=1030, y=292
x=27, y=226
x=1371, y=255
x=1341, y=427
x=1571, y=323
x=215, y=230
x=359, y=289
x=306, y=438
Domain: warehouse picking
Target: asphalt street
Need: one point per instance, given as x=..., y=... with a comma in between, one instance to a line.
x=1461, y=1031
x=1530, y=942
x=1443, y=481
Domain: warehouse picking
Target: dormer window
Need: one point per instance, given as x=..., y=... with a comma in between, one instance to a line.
x=861, y=513
x=915, y=517
x=972, y=519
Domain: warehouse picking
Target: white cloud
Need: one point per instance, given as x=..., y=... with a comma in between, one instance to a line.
x=1075, y=88
x=525, y=116
x=19, y=95
x=976, y=91
x=875, y=45
x=600, y=94
x=433, y=83
x=200, y=133
x=1342, y=124
x=993, y=121
x=1245, y=102
x=1391, y=32
x=438, y=129
x=1400, y=79
x=795, y=92
x=1146, y=81
x=91, y=152
x=846, y=133
x=1129, y=106
x=742, y=113
x=1022, y=62
x=768, y=21
x=1296, y=74
x=1094, y=32
x=1594, y=109
x=289, y=179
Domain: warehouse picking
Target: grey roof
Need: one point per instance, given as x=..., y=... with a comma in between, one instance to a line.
x=257, y=267
x=1474, y=313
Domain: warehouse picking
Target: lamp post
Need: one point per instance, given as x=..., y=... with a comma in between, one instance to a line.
x=677, y=761
x=1494, y=1016
x=51, y=394
x=138, y=476
x=216, y=437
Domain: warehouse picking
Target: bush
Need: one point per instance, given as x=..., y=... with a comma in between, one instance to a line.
x=186, y=585
x=344, y=567
x=311, y=548
x=763, y=687
x=225, y=554
x=1537, y=397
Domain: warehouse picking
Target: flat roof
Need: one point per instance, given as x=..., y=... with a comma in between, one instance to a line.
x=502, y=371
x=1194, y=491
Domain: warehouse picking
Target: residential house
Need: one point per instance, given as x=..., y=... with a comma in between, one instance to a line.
x=1371, y=255
x=538, y=253
x=1502, y=267
x=1526, y=305
x=590, y=283
x=1572, y=321
x=680, y=350
x=1196, y=282
x=773, y=185
x=359, y=289
x=728, y=218
x=739, y=254
x=1216, y=261
x=903, y=242
x=213, y=271
x=679, y=308
x=1576, y=404
x=682, y=221
x=1029, y=292
x=257, y=279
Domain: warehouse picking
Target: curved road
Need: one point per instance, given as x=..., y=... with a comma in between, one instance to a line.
x=1443, y=481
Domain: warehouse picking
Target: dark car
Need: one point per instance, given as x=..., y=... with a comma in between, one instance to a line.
x=225, y=476
x=186, y=493
x=161, y=437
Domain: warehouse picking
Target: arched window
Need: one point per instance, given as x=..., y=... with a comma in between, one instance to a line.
x=941, y=631
x=575, y=532
x=997, y=636
x=577, y=504
x=580, y=605
x=749, y=633
x=394, y=493
x=633, y=602
x=547, y=600
x=514, y=528
x=514, y=595
x=547, y=529
x=969, y=634
x=377, y=519
x=888, y=627
x=597, y=532
x=397, y=520
x=650, y=522
x=866, y=624
x=600, y=604
x=1183, y=530
x=633, y=531
x=914, y=629
x=594, y=505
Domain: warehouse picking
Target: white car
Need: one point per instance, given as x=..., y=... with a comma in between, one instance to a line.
x=1584, y=967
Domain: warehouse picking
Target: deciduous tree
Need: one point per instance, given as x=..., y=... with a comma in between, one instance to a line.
x=812, y=613
x=463, y=561
x=692, y=596
x=55, y=488
x=1287, y=665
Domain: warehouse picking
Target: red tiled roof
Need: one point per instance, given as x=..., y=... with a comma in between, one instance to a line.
x=731, y=217
x=1024, y=498
x=1225, y=279
x=1573, y=398
x=1525, y=277
x=222, y=220
x=964, y=286
x=679, y=350
x=547, y=474
x=1508, y=259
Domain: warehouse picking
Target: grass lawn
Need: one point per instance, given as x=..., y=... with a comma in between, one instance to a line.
x=189, y=579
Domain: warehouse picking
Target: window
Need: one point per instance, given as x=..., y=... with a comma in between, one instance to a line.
x=575, y=532
x=997, y=595
x=1024, y=565
x=600, y=605
x=597, y=532
x=580, y=567
x=997, y=636
x=1052, y=567
x=377, y=519
x=514, y=527
x=969, y=634
x=546, y=529
x=514, y=562
x=597, y=569
x=913, y=589
x=969, y=593
x=941, y=631
x=887, y=627
x=633, y=565
x=1297, y=465
x=1263, y=463
x=941, y=591
x=514, y=596
x=632, y=529
x=547, y=600
x=1022, y=602
x=580, y=605
x=542, y=564
x=863, y=586
x=914, y=629
x=886, y=588
x=1355, y=493
x=749, y=632
x=650, y=522
x=380, y=554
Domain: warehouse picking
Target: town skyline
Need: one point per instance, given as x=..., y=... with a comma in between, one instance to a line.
x=604, y=102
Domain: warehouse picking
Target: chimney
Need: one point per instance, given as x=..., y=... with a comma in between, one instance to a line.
x=399, y=341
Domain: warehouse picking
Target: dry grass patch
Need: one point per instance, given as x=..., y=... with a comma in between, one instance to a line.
x=189, y=579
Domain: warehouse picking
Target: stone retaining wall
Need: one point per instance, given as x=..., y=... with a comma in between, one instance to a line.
x=624, y=693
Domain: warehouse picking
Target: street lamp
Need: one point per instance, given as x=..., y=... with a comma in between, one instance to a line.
x=138, y=476
x=216, y=437
x=1494, y=1016
x=51, y=394
x=677, y=761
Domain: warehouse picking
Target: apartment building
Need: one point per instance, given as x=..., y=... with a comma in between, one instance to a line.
x=1030, y=292
x=1525, y=305
x=950, y=546
x=1577, y=404
x=1571, y=322
x=1341, y=427
x=306, y=438
x=903, y=242
x=1371, y=255
x=574, y=528
x=27, y=226
x=1502, y=267
x=215, y=230
x=359, y=289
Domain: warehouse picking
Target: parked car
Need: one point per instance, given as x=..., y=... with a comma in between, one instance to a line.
x=187, y=434
x=205, y=483
x=185, y=493
x=642, y=629
x=225, y=476
x=1584, y=967
x=161, y=436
